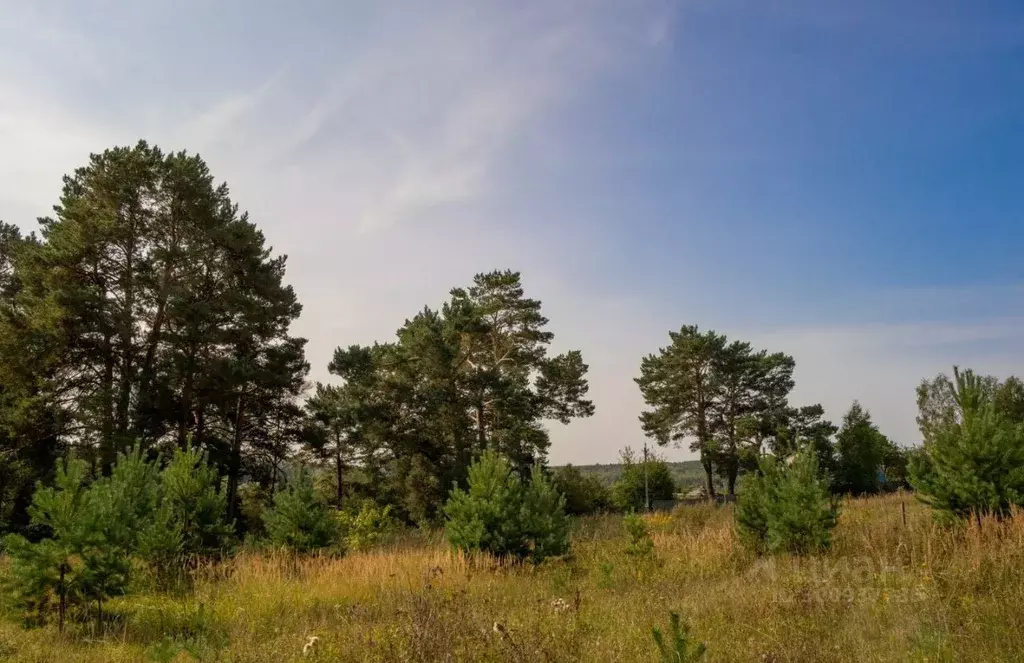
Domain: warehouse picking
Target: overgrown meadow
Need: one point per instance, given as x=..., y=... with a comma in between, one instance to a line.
x=895, y=586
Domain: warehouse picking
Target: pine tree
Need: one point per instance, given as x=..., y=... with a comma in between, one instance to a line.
x=543, y=519
x=333, y=431
x=194, y=506
x=719, y=396
x=299, y=521
x=500, y=515
x=485, y=516
x=786, y=507
x=153, y=309
x=861, y=449
x=94, y=532
x=473, y=376
x=973, y=458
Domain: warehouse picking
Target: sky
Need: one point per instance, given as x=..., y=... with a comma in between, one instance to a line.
x=839, y=181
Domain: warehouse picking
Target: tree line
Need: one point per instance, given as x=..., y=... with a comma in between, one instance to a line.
x=148, y=309
x=731, y=403
x=148, y=312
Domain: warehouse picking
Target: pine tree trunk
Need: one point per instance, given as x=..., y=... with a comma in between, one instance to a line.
x=186, y=409
x=126, y=331
x=481, y=431
x=234, y=466
x=107, y=390
x=709, y=474
x=337, y=458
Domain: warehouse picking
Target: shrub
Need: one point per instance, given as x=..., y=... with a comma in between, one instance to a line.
x=786, y=508
x=629, y=490
x=682, y=649
x=298, y=520
x=366, y=525
x=498, y=515
x=640, y=543
x=584, y=493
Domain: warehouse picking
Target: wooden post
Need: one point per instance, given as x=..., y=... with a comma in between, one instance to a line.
x=903, y=508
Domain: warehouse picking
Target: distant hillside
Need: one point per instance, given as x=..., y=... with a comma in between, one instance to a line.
x=687, y=474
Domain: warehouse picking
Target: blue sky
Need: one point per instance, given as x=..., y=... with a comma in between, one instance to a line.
x=837, y=180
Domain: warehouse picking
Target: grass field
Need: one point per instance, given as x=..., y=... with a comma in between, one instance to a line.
x=888, y=591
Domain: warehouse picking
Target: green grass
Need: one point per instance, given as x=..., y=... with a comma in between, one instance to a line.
x=886, y=592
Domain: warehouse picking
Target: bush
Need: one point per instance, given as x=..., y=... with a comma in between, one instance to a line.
x=786, y=508
x=298, y=520
x=584, y=493
x=366, y=525
x=501, y=516
x=629, y=491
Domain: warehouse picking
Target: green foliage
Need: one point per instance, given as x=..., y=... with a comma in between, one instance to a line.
x=543, y=520
x=499, y=515
x=686, y=474
x=253, y=499
x=629, y=492
x=298, y=520
x=895, y=466
x=682, y=649
x=195, y=505
x=794, y=428
x=861, y=451
x=786, y=507
x=34, y=582
x=640, y=542
x=185, y=332
x=96, y=530
x=718, y=395
x=485, y=516
x=472, y=376
x=584, y=493
x=93, y=530
x=332, y=429
x=973, y=458
x=367, y=525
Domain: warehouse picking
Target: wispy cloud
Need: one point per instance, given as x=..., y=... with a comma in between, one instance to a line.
x=395, y=149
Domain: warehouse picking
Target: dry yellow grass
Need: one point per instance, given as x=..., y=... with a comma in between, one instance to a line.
x=886, y=592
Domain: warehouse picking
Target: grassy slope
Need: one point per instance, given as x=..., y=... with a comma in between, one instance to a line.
x=886, y=592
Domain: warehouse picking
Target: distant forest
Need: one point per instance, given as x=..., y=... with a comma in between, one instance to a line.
x=687, y=474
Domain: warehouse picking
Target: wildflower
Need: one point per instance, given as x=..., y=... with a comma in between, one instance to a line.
x=310, y=645
x=560, y=605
